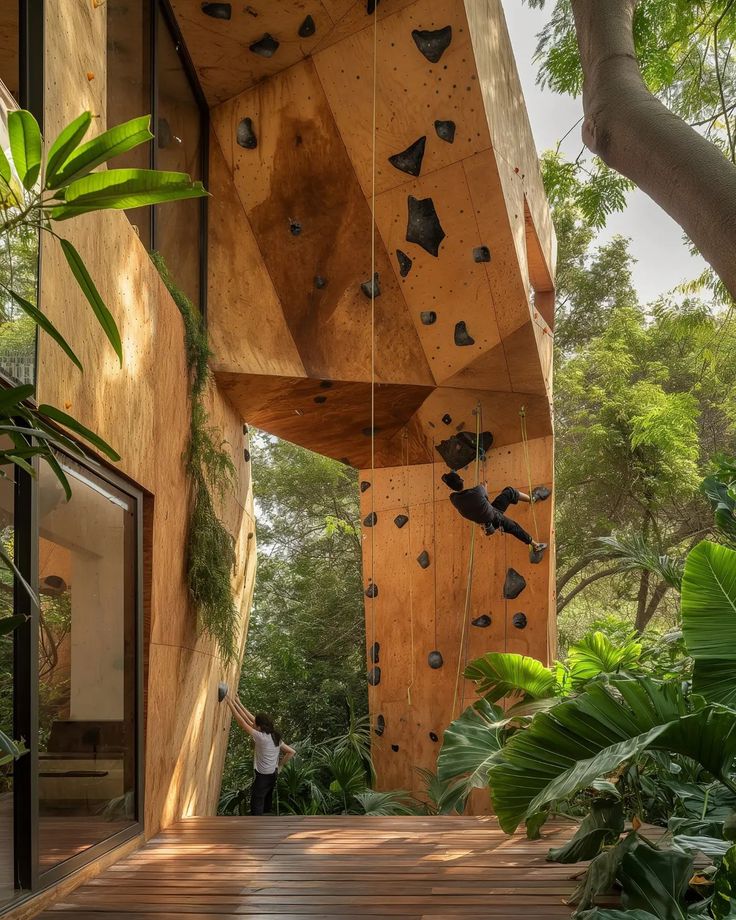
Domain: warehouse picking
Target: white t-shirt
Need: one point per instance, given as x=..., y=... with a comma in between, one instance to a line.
x=266, y=753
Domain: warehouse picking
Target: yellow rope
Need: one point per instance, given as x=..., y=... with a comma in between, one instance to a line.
x=373, y=336
x=471, y=560
x=405, y=458
x=525, y=445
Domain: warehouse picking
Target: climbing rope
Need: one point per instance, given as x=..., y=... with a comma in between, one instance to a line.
x=525, y=445
x=471, y=560
x=405, y=460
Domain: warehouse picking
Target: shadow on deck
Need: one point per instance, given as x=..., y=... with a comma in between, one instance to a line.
x=336, y=867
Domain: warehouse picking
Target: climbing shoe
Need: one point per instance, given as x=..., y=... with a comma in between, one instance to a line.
x=453, y=481
x=489, y=530
x=540, y=494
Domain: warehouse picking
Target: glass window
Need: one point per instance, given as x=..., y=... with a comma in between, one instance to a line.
x=87, y=664
x=178, y=147
x=129, y=86
x=7, y=534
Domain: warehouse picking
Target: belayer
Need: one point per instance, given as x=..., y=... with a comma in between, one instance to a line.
x=474, y=505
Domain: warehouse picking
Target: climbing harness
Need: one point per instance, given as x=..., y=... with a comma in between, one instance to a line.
x=525, y=445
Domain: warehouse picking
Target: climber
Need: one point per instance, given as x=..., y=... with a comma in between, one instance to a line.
x=474, y=505
x=271, y=754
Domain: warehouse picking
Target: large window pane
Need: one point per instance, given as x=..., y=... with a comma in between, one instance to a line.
x=7, y=534
x=86, y=732
x=129, y=86
x=178, y=147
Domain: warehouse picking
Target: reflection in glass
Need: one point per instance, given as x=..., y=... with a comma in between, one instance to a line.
x=86, y=722
x=6, y=692
x=178, y=147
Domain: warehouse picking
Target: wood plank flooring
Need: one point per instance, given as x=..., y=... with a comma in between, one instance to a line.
x=334, y=867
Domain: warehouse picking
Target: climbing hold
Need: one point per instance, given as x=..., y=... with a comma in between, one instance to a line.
x=371, y=590
x=423, y=226
x=345, y=460
x=307, y=28
x=395, y=748
x=266, y=47
x=447, y=419
x=428, y=317
x=483, y=620
x=372, y=289
x=404, y=261
x=365, y=485
x=445, y=130
x=375, y=651
x=434, y=659
x=370, y=519
x=432, y=42
x=325, y=384
x=320, y=282
x=380, y=725
x=433, y=737
x=320, y=400
x=423, y=559
x=519, y=620
x=459, y=450
x=221, y=692
x=367, y=432
x=462, y=336
x=540, y=493
x=410, y=160
x=245, y=429
x=514, y=584
x=218, y=10
x=246, y=136
x=481, y=254
x=374, y=676
x=295, y=228
x=370, y=6
x=246, y=455
x=400, y=520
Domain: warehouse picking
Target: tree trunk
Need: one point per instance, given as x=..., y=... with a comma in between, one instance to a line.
x=640, y=138
x=641, y=601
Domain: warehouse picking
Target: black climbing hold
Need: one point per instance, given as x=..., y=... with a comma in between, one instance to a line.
x=245, y=429
x=320, y=282
x=345, y=460
x=432, y=42
x=433, y=737
x=365, y=485
x=459, y=450
x=423, y=559
x=400, y=520
x=295, y=228
x=481, y=254
x=410, y=160
x=367, y=432
x=246, y=136
x=307, y=28
x=325, y=384
x=445, y=130
x=370, y=6
x=540, y=493
x=462, y=336
x=370, y=519
x=320, y=399
x=218, y=10
x=375, y=651
x=222, y=689
x=447, y=419
x=374, y=676
x=372, y=289
x=483, y=620
x=395, y=748
x=428, y=317
x=434, y=659
x=265, y=47
x=404, y=261
x=380, y=725
x=246, y=454
x=519, y=620
x=514, y=584
x=536, y=556
x=371, y=590
x=423, y=226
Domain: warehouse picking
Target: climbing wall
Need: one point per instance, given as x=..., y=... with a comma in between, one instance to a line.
x=416, y=551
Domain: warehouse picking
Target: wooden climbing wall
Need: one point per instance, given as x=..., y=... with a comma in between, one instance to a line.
x=419, y=609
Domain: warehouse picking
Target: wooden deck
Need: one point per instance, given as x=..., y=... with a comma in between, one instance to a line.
x=336, y=867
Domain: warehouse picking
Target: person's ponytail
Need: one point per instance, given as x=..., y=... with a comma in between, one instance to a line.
x=265, y=724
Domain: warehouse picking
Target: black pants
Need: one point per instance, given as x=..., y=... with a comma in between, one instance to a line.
x=491, y=514
x=261, y=792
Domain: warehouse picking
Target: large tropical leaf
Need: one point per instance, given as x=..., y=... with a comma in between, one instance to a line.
x=25, y=146
x=602, y=873
x=720, y=492
x=595, y=654
x=724, y=894
x=65, y=144
x=655, y=881
x=602, y=826
x=469, y=745
x=100, y=149
x=709, y=620
x=500, y=674
x=635, y=553
x=579, y=740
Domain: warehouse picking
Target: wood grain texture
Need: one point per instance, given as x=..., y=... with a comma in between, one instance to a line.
x=337, y=867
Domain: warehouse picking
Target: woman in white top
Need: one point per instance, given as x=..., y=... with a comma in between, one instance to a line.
x=270, y=754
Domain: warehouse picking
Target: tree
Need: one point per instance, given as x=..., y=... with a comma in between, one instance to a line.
x=658, y=85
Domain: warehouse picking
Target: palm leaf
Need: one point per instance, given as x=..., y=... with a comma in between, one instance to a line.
x=394, y=802
x=595, y=654
x=469, y=746
x=499, y=674
x=635, y=553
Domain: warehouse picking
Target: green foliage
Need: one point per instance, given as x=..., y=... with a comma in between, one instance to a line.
x=497, y=675
x=470, y=745
x=210, y=547
x=603, y=825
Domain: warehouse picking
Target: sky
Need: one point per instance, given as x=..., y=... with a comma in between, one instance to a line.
x=663, y=260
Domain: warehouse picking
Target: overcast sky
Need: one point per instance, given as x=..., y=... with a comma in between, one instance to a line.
x=662, y=258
